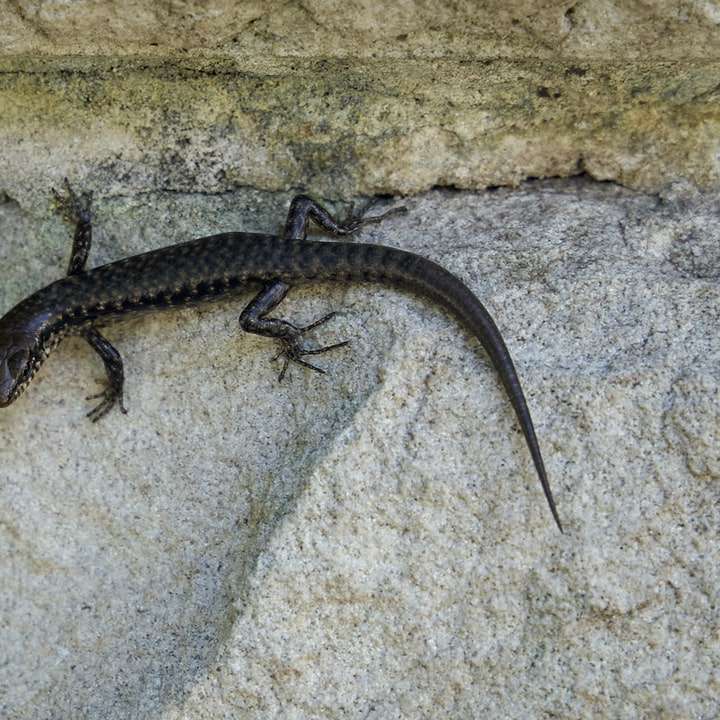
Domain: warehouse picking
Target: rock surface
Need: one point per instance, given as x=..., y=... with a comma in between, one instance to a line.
x=366, y=28
x=374, y=543
x=347, y=98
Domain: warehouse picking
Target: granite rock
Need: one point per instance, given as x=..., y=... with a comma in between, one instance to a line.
x=374, y=543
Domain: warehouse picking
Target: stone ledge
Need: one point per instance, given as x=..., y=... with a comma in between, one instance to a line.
x=337, y=128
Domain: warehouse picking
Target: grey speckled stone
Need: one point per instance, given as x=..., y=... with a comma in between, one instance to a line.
x=374, y=544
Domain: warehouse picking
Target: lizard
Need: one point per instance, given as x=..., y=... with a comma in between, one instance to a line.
x=226, y=264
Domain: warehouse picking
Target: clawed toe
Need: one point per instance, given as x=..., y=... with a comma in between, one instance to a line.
x=109, y=398
x=326, y=348
x=100, y=410
x=299, y=361
x=355, y=220
x=319, y=322
x=294, y=353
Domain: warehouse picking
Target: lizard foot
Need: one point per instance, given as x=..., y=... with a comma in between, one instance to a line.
x=293, y=350
x=73, y=208
x=354, y=221
x=109, y=396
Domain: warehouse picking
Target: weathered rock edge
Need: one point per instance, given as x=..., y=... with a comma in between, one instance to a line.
x=338, y=127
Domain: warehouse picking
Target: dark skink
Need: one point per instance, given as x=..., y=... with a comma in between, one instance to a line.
x=217, y=266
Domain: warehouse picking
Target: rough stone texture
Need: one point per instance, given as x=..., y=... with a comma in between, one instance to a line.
x=665, y=29
x=341, y=98
x=374, y=544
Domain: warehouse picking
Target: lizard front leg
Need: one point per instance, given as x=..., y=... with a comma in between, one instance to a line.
x=113, y=393
x=75, y=209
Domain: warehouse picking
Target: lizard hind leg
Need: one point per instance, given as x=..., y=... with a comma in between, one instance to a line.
x=304, y=208
x=253, y=319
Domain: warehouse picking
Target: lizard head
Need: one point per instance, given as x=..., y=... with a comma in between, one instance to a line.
x=26, y=338
x=20, y=358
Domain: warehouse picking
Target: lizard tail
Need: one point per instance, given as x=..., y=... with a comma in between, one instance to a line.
x=377, y=263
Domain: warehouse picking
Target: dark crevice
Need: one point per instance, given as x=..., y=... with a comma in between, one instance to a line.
x=6, y=199
x=581, y=175
x=570, y=18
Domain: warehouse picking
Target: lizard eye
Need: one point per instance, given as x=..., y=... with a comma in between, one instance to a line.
x=17, y=361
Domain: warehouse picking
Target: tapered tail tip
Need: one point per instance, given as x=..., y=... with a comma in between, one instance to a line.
x=553, y=508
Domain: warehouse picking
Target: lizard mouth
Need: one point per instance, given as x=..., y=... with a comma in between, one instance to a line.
x=6, y=394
